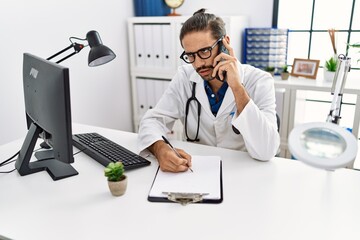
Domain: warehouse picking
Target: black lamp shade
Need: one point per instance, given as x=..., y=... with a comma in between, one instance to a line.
x=99, y=54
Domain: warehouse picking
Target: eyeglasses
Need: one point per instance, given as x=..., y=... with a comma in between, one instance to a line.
x=203, y=53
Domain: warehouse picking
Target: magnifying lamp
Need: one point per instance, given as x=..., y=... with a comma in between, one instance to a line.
x=326, y=145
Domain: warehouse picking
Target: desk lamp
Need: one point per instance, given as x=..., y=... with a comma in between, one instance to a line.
x=99, y=54
x=326, y=145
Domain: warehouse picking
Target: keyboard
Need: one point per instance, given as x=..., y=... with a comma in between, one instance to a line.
x=105, y=151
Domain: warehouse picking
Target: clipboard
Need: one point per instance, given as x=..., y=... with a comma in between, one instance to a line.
x=203, y=185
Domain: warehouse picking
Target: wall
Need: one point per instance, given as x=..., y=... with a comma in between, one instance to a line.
x=259, y=11
x=99, y=96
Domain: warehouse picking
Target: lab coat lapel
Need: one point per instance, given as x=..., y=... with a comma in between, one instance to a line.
x=201, y=94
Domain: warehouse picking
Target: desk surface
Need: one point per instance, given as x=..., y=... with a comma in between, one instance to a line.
x=279, y=199
x=352, y=84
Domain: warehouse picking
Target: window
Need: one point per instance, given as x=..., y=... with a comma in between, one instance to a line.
x=308, y=22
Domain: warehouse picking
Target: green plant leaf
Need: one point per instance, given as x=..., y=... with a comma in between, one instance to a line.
x=114, y=171
x=285, y=69
x=331, y=64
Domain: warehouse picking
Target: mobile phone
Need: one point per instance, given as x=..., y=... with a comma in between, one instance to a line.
x=222, y=49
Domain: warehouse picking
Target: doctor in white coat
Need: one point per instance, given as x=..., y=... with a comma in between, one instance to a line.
x=234, y=111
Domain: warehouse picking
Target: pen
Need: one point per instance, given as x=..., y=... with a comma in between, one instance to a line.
x=172, y=148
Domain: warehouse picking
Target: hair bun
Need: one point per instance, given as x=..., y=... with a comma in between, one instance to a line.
x=200, y=11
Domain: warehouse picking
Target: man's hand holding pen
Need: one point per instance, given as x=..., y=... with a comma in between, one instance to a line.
x=170, y=160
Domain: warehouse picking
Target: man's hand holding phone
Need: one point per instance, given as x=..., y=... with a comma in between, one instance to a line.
x=228, y=63
x=225, y=64
x=222, y=49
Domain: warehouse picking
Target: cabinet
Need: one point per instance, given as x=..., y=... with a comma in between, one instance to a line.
x=155, y=49
x=265, y=47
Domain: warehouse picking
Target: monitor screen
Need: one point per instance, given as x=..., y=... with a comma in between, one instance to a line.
x=48, y=111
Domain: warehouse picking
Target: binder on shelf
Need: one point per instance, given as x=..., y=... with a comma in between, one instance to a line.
x=203, y=185
x=148, y=43
x=167, y=45
x=158, y=89
x=157, y=45
x=150, y=93
x=139, y=45
x=142, y=105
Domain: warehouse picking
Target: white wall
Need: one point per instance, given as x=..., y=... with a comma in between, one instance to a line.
x=101, y=95
x=259, y=11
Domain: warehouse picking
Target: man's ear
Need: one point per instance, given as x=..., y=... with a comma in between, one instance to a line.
x=227, y=38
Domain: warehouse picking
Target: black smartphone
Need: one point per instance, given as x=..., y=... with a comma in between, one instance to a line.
x=222, y=49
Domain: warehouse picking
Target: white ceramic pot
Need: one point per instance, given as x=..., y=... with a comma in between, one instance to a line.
x=118, y=188
x=285, y=76
x=328, y=76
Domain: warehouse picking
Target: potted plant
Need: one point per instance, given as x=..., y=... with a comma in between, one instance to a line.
x=270, y=69
x=285, y=73
x=117, y=180
x=330, y=69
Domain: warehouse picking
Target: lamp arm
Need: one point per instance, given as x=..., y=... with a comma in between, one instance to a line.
x=338, y=88
x=77, y=48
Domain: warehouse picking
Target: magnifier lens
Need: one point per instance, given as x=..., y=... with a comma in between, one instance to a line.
x=323, y=143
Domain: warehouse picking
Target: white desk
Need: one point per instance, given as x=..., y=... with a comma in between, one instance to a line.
x=280, y=199
x=292, y=86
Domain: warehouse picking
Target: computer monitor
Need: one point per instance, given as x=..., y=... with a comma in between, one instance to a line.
x=48, y=112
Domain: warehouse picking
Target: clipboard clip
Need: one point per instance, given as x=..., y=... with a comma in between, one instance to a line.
x=185, y=198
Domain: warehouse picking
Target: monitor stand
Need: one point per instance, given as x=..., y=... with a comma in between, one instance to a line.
x=56, y=169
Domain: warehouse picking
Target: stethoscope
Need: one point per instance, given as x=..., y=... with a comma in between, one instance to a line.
x=193, y=98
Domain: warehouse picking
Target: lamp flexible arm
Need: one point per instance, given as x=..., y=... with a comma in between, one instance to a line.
x=337, y=89
x=77, y=48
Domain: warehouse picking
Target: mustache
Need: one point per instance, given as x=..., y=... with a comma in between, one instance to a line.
x=204, y=67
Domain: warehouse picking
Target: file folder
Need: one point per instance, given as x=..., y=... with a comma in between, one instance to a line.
x=142, y=103
x=159, y=89
x=157, y=45
x=148, y=43
x=150, y=93
x=203, y=185
x=167, y=42
x=139, y=45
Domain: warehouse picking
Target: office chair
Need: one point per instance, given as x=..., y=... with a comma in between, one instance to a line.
x=278, y=122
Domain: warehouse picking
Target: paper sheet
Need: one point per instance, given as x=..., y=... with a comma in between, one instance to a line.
x=206, y=178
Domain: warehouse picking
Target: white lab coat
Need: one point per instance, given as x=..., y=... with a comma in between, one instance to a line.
x=256, y=123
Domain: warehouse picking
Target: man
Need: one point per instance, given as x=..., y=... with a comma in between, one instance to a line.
x=235, y=110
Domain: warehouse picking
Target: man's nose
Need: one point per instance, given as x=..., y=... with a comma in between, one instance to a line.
x=199, y=62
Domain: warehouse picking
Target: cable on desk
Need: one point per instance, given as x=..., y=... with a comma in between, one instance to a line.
x=10, y=160
x=7, y=161
x=78, y=152
x=9, y=171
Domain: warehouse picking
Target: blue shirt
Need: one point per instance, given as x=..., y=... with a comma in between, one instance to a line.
x=215, y=100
